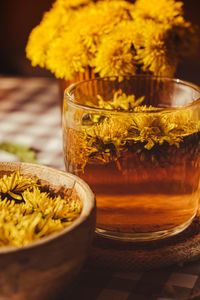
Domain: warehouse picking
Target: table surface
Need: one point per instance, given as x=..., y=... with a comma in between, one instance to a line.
x=30, y=115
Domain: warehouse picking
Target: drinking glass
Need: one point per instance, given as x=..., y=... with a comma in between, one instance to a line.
x=136, y=140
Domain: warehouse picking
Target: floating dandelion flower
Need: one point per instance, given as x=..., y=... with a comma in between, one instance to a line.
x=106, y=137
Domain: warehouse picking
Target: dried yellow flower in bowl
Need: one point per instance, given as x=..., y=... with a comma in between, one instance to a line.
x=30, y=211
x=47, y=220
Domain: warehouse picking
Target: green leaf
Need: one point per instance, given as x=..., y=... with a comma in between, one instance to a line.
x=24, y=153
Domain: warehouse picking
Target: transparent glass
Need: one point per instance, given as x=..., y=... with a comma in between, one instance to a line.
x=141, y=160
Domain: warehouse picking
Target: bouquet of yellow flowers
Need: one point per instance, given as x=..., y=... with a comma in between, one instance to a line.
x=112, y=37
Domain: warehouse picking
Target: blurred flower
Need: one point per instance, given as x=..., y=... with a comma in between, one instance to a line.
x=162, y=11
x=154, y=54
x=64, y=59
x=114, y=37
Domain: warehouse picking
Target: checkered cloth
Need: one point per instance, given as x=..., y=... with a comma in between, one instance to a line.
x=30, y=115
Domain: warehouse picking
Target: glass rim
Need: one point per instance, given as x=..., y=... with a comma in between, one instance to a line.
x=69, y=98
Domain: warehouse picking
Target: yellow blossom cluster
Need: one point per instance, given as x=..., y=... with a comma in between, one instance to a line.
x=29, y=212
x=124, y=123
x=113, y=37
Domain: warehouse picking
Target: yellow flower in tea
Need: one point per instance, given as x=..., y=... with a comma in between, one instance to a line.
x=120, y=102
x=83, y=149
x=110, y=130
x=106, y=137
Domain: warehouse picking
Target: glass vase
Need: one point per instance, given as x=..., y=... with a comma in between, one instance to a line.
x=136, y=141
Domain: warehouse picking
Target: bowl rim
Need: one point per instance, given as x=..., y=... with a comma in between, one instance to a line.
x=87, y=208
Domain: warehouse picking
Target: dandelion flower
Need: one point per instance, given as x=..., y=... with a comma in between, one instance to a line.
x=44, y=34
x=64, y=59
x=113, y=37
x=115, y=60
x=153, y=53
x=161, y=11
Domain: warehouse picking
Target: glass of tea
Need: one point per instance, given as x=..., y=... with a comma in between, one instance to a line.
x=136, y=142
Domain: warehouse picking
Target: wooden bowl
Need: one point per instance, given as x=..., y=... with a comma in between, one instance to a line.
x=43, y=268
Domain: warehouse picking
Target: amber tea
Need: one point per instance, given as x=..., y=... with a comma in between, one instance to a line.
x=140, y=160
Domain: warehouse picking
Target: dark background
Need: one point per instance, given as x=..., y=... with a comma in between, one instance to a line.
x=18, y=17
